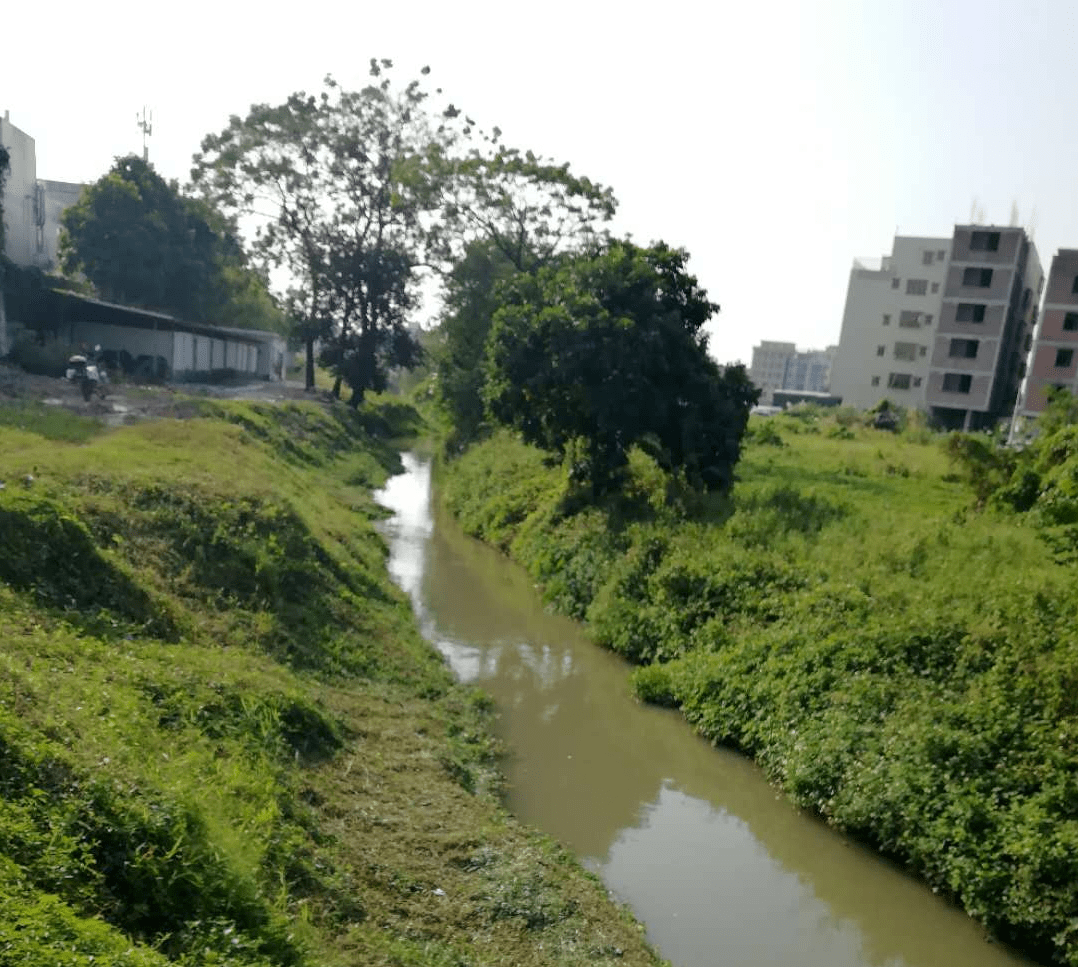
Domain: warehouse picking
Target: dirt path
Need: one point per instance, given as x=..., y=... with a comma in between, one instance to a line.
x=129, y=402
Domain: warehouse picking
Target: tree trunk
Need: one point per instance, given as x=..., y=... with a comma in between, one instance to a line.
x=310, y=363
x=337, y=388
x=356, y=398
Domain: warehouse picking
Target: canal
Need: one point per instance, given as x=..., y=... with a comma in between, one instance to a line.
x=716, y=863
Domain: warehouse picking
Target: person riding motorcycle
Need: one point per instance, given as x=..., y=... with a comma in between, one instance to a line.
x=84, y=369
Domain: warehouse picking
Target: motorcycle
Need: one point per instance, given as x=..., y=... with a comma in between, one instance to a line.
x=88, y=373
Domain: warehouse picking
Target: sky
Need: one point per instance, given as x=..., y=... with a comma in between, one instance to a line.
x=774, y=141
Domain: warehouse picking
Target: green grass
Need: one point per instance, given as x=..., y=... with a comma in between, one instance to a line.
x=222, y=739
x=899, y=662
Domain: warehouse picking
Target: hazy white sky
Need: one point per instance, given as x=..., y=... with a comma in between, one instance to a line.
x=775, y=141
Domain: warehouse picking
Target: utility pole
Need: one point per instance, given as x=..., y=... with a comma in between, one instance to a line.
x=145, y=123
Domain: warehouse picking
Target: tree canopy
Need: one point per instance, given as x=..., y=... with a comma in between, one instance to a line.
x=337, y=188
x=592, y=356
x=139, y=240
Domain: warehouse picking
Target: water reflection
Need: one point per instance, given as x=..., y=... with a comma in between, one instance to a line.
x=719, y=866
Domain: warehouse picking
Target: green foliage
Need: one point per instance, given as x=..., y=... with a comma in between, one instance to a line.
x=222, y=739
x=140, y=241
x=899, y=665
x=50, y=422
x=590, y=357
x=356, y=262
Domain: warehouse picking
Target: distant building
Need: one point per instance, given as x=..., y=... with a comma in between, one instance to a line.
x=941, y=324
x=32, y=208
x=779, y=365
x=1053, y=360
x=988, y=314
x=891, y=305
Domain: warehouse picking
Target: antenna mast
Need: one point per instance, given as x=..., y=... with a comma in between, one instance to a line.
x=145, y=124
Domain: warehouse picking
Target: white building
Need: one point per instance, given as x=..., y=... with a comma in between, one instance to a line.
x=892, y=305
x=780, y=365
x=32, y=207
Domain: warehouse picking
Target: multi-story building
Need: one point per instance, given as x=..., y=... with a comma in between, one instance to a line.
x=892, y=304
x=768, y=368
x=32, y=208
x=941, y=324
x=779, y=365
x=1053, y=360
x=986, y=323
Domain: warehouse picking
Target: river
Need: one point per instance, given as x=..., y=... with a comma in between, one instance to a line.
x=716, y=863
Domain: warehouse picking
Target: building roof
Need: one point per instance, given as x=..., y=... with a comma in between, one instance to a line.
x=97, y=310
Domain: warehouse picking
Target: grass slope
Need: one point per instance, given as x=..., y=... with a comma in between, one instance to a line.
x=903, y=665
x=222, y=739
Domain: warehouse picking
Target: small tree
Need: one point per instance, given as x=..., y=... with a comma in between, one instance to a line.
x=588, y=358
x=138, y=239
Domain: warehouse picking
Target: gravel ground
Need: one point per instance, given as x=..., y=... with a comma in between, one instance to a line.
x=128, y=402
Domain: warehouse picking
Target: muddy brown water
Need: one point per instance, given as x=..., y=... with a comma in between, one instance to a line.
x=716, y=863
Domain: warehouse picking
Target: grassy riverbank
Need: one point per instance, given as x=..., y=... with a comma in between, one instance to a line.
x=222, y=739
x=896, y=661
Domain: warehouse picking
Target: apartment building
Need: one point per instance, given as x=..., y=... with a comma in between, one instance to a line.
x=892, y=304
x=32, y=207
x=1053, y=360
x=781, y=366
x=986, y=323
x=768, y=368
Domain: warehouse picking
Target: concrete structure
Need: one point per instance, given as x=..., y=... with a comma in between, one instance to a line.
x=986, y=323
x=892, y=305
x=23, y=208
x=780, y=365
x=768, y=368
x=1053, y=360
x=32, y=207
x=158, y=345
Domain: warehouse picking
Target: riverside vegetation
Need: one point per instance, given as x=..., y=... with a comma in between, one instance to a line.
x=895, y=647
x=222, y=738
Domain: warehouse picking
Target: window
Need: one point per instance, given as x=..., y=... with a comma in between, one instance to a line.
x=935, y=287
x=957, y=382
x=899, y=381
x=880, y=350
x=928, y=257
x=978, y=278
x=916, y=286
x=886, y=319
x=1064, y=357
x=928, y=318
x=895, y=283
x=916, y=380
x=906, y=350
x=984, y=242
x=875, y=381
x=1026, y=296
x=923, y=351
x=1070, y=322
x=1074, y=288
x=964, y=348
x=1028, y=343
x=941, y=255
x=969, y=312
x=909, y=319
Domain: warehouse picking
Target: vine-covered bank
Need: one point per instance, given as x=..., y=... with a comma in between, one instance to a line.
x=898, y=661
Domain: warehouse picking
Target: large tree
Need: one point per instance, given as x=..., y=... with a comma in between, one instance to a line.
x=339, y=193
x=514, y=212
x=139, y=240
x=600, y=353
